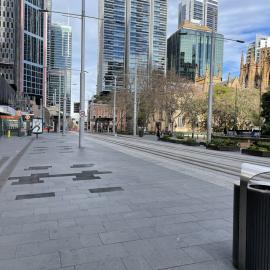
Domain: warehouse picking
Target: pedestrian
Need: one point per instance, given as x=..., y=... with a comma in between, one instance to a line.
x=158, y=134
x=48, y=128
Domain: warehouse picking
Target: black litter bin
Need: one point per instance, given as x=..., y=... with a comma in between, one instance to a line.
x=236, y=207
x=258, y=227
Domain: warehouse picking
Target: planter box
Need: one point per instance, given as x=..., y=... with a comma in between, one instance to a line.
x=222, y=148
x=177, y=141
x=256, y=153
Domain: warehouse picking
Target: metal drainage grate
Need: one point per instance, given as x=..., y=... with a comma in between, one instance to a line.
x=103, y=190
x=36, y=168
x=35, y=196
x=81, y=166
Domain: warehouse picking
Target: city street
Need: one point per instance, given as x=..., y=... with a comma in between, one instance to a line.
x=117, y=205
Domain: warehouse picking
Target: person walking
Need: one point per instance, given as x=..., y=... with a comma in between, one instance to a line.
x=158, y=134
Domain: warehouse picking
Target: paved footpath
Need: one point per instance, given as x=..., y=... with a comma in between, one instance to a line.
x=101, y=209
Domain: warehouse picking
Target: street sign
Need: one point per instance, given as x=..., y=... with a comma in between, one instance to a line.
x=37, y=126
x=82, y=113
x=27, y=117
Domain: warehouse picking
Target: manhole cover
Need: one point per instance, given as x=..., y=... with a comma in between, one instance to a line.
x=35, y=196
x=107, y=189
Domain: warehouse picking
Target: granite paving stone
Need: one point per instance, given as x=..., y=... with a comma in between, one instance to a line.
x=164, y=218
x=118, y=236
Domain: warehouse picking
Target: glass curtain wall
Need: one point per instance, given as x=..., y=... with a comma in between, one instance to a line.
x=189, y=55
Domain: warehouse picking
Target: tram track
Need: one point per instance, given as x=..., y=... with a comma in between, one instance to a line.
x=213, y=166
x=210, y=153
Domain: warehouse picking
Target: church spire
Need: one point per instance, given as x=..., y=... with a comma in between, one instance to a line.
x=242, y=60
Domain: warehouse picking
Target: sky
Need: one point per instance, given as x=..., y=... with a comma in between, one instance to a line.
x=238, y=19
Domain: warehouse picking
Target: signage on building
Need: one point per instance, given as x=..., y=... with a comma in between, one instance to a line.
x=82, y=113
x=76, y=107
x=37, y=126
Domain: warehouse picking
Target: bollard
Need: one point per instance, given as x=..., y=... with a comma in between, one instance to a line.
x=248, y=171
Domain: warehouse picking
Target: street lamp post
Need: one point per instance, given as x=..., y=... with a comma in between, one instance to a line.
x=135, y=106
x=211, y=86
x=59, y=104
x=64, y=107
x=114, y=105
x=82, y=85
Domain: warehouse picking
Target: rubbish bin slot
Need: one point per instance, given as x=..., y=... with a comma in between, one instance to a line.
x=260, y=187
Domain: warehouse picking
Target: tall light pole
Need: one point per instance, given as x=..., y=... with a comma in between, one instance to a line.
x=82, y=85
x=135, y=106
x=59, y=104
x=114, y=105
x=211, y=86
x=64, y=107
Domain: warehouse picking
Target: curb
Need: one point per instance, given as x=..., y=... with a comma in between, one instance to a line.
x=11, y=165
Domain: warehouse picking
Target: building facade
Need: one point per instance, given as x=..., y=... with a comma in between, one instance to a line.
x=189, y=55
x=60, y=65
x=132, y=35
x=256, y=46
x=202, y=12
x=9, y=13
x=35, y=50
x=256, y=74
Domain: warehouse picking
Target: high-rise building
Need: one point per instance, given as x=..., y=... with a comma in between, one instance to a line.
x=202, y=12
x=59, y=77
x=8, y=39
x=35, y=49
x=132, y=35
x=255, y=71
x=189, y=54
x=254, y=48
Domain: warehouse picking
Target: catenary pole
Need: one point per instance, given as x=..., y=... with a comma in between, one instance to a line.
x=114, y=106
x=59, y=104
x=135, y=106
x=82, y=84
x=211, y=87
x=64, y=108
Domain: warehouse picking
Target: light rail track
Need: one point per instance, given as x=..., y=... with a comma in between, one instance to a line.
x=214, y=166
x=210, y=153
x=209, y=165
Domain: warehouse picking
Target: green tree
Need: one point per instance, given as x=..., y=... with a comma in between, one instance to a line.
x=223, y=108
x=266, y=113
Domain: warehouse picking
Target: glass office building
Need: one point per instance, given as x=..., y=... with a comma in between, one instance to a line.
x=132, y=35
x=59, y=77
x=35, y=40
x=189, y=55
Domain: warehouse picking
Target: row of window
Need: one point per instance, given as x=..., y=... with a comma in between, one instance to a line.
x=6, y=55
x=6, y=35
x=6, y=24
x=7, y=3
x=6, y=14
